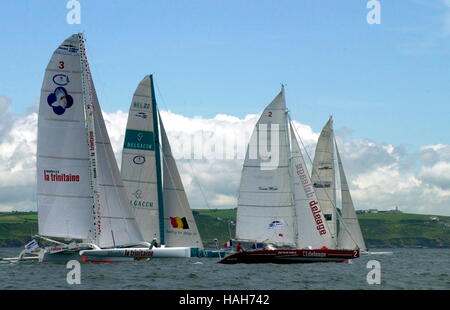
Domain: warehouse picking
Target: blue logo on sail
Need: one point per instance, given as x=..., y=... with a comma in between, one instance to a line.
x=276, y=224
x=61, y=79
x=60, y=100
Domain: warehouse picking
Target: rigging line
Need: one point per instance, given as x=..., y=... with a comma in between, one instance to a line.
x=328, y=196
x=96, y=104
x=188, y=160
x=83, y=60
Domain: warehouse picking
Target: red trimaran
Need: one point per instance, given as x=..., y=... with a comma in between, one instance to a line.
x=281, y=207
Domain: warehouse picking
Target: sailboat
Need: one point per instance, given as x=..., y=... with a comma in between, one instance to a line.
x=155, y=191
x=81, y=199
x=277, y=204
x=345, y=227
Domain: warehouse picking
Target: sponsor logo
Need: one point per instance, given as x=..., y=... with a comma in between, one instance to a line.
x=325, y=168
x=140, y=105
x=68, y=49
x=142, y=115
x=270, y=188
x=322, y=185
x=179, y=222
x=276, y=225
x=139, y=159
x=317, y=214
x=139, y=202
x=142, y=204
x=314, y=254
x=55, y=176
x=60, y=100
x=144, y=253
x=313, y=204
x=287, y=252
x=139, y=140
x=138, y=194
x=61, y=79
x=304, y=179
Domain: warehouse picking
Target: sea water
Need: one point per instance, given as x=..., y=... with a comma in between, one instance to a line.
x=414, y=269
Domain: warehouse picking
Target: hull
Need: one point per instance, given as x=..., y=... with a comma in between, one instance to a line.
x=118, y=254
x=59, y=254
x=290, y=256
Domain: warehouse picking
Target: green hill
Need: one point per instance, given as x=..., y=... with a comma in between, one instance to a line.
x=16, y=228
x=379, y=229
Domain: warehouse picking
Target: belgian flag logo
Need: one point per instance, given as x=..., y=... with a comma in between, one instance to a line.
x=179, y=222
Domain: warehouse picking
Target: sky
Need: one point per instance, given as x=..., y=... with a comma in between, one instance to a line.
x=217, y=64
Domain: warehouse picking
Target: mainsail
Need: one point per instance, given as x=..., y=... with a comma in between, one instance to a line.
x=350, y=236
x=157, y=199
x=79, y=189
x=139, y=162
x=323, y=175
x=265, y=210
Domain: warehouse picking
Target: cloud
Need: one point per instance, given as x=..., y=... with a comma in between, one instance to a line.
x=437, y=175
x=380, y=175
x=17, y=158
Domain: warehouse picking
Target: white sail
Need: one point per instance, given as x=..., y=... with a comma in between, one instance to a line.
x=179, y=224
x=80, y=194
x=312, y=228
x=265, y=210
x=323, y=176
x=350, y=235
x=64, y=198
x=139, y=163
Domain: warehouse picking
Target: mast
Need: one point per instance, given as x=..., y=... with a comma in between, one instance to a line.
x=159, y=178
x=289, y=137
x=90, y=127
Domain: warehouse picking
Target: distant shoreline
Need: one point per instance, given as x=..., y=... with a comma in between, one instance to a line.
x=380, y=230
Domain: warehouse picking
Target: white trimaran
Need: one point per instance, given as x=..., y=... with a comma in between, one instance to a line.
x=80, y=195
x=155, y=191
x=277, y=202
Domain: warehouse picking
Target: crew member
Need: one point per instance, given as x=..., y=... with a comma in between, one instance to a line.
x=239, y=247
